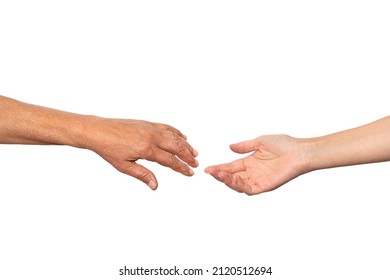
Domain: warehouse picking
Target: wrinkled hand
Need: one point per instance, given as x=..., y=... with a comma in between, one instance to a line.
x=276, y=160
x=122, y=142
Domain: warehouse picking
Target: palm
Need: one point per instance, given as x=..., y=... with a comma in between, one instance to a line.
x=266, y=174
x=275, y=161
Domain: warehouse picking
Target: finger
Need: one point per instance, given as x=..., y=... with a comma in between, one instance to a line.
x=244, y=147
x=216, y=177
x=252, y=188
x=170, y=160
x=225, y=179
x=212, y=170
x=174, y=130
x=247, y=185
x=232, y=167
x=184, y=142
x=232, y=181
x=243, y=175
x=181, y=148
x=139, y=172
x=237, y=182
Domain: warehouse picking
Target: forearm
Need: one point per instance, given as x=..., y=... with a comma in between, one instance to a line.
x=22, y=123
x=365, y=144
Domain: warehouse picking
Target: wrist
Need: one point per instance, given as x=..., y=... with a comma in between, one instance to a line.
x=82, y=131
x=314, y=154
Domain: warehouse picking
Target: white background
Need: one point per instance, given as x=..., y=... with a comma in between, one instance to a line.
x=222, y=72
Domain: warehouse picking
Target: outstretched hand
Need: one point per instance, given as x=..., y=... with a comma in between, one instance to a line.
x=276, y=159
x=122, y=142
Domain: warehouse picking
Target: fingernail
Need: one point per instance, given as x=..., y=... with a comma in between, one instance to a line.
x=196, y=163
x=191, y=172
x=195, y=152
x=152, y=185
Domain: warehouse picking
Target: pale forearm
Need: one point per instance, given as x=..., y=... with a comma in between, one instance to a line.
x=22, y=123
x=365, y=144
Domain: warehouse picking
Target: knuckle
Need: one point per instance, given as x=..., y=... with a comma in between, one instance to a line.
x=252, y=192
x=165, y=126
x=236, y=189
x=142, y=175
x=176, y=136
x=180, y=147
x=173, y=161
x=177, y=144
x=177, y=165
x=176, y=139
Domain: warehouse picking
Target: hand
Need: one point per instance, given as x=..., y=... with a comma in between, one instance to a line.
x=122, y=142
x=276, y=160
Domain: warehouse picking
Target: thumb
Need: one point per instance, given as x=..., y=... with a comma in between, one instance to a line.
x=244, y=147
x=141, y=173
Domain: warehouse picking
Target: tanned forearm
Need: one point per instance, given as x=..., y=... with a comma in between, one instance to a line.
x=121, y=142
x=22, y=123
